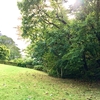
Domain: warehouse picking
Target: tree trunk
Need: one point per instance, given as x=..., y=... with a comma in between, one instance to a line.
x=61, y=72
x=85, y=63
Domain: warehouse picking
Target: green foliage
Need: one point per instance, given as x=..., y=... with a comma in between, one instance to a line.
x=38, y=67
x=66, y=48
x=49, y=61
x=20, y=62
x=24, y=62
x=10, y=44
x=4, y=52
x=7, y=62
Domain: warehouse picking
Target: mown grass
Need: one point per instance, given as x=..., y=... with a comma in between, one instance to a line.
x=27, y=84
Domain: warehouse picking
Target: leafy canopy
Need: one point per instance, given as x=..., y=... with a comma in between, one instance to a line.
x=66, y=48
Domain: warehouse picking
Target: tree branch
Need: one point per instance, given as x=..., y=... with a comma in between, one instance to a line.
x=48, y=22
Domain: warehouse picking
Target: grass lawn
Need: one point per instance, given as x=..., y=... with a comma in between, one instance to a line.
x=27, y=84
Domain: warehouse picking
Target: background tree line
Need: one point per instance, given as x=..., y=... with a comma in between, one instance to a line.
x=8, y=48
x=64, y=47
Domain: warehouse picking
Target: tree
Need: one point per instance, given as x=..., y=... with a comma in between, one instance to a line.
x=44, y=28
x=85, y=48
x=10, y=44
x=37, y=17
x=4, y=52
x=66, y=48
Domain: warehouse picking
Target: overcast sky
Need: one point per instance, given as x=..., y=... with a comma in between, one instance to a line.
x=9, y=14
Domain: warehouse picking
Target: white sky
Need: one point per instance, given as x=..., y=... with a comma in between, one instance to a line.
x=9, y=14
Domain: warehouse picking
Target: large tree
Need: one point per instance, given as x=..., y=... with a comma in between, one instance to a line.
x=46, y=26
x=66, y=48
x=85, y=48
x=10, y=44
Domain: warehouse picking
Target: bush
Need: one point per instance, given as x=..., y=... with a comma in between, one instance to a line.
x=8, y=62
x=53, y=73
x=19, y=62
x=36, y=62
x=24, y=62
x=28, y=61
x=2, y=61
x=38, y=67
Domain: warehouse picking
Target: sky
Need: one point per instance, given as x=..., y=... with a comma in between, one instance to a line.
x=9, y=15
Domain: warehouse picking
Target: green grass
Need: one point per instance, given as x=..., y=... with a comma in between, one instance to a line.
x=27, y=84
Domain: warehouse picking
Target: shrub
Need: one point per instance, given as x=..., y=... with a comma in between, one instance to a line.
x=28, y=61
x=24, y=62
x=38, y=67
x=36, y=62
x=20, y=62
x=8, y=62
x=53, y=73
